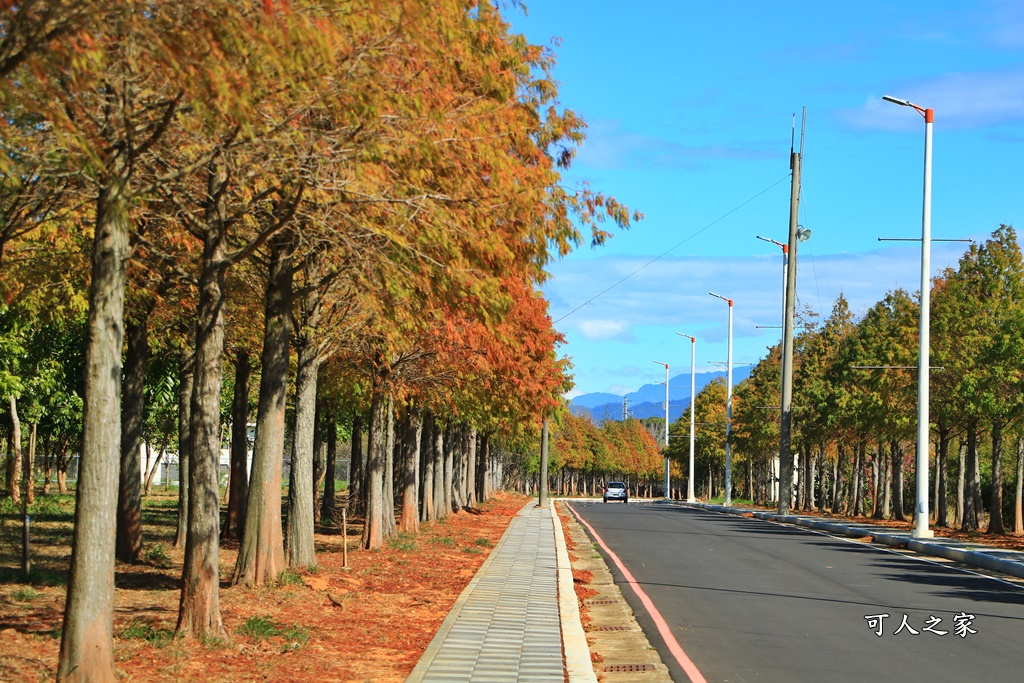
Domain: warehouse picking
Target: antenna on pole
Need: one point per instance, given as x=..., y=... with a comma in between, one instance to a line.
x=803, y=126
x=792, y=141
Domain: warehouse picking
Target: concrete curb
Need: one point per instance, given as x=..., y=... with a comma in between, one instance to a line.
x=949, y=549
x=425, y=660
x=578, y=664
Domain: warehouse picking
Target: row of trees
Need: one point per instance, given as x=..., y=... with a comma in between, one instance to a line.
x=584, y=456
x=355, y=201
x=855, y=395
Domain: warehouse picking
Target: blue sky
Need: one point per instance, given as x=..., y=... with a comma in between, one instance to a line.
x=690, y=108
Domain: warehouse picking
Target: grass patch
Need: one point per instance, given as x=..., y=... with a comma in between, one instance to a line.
x=25, y=594
x=295, y=637
x=402, y=541
x=259, y=627
x=289, y=578
x=483, y=543
x=145, y=630
x=263, y=627
x=446, y=541
x=38, y=576
x=157, y=556
x=472, y=551
x=720, y=500
x=215, y=643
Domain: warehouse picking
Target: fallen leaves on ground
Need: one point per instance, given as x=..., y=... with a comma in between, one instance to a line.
x=369, y=622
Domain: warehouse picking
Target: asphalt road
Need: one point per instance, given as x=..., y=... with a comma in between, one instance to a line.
x=749, y=600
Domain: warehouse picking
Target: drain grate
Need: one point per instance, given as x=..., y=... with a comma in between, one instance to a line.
x=610, y=628
x=600, y=602
x=627, y=668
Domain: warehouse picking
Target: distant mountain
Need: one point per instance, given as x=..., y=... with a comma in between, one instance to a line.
x=596, y=399
x=649, y=400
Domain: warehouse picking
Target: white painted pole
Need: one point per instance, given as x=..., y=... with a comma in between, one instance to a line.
x=728, y=407
x=921, y=529
x=690, y=498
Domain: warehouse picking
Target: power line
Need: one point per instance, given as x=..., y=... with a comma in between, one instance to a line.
x=658, y=258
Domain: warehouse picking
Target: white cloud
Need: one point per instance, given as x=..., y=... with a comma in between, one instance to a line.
x=960, y=100
x=609, y=146
x=671, y=296
x=606, y=330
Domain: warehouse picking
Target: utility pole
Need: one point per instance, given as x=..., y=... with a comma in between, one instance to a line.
x=786, y=424
x=625, y=409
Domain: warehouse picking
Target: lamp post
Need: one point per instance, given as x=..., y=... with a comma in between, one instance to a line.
x=921, y=529
x=785, y=261
x=690, y=498
x=728, y=407
x=786, y=376
x=667, y=496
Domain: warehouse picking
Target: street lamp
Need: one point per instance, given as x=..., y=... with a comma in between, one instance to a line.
x=921, y=529
x=785, y=367
x=728, y=407
x=667, y=496
x=802, y=234
x=690, y=498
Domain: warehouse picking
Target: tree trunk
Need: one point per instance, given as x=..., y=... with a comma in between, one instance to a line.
x=449, y=468
x=151, y=474
x=1018, y=498
x=486, y=474
x=261, y=553
x=427, y=454
x=9, y=463
x=86, y=648
x=186, y=381
x=972, y=491
x=373, y=527
x=30, y=459
x=411, y=438
x=299, y=544
x=458, y=467
x=466, y=476
x=63, y=463
x=858, y=483
x=14, y=465
x=390, y=527
x=961, y=482
x=319, y=464
x=881, y=490
x=199, y=612
x=471, y=499
x=441, y=495
x=812, y=476
x=995, y=520
x=328, y=508
x=941, y=477
x=355, y=484
x=238, y=483
x=835, y=488
x=133, y=398
x=48, y=457
x=896, y=453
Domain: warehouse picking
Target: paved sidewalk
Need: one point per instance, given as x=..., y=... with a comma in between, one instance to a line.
x=1010, y=562
x=518, y=620
x=506, y=626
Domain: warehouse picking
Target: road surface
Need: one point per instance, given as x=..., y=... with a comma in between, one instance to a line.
x=748, y=600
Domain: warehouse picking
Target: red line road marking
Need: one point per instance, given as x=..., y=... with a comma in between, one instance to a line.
x=666, y=633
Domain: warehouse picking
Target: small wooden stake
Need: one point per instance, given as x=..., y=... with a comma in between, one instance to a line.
x=344, y=537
